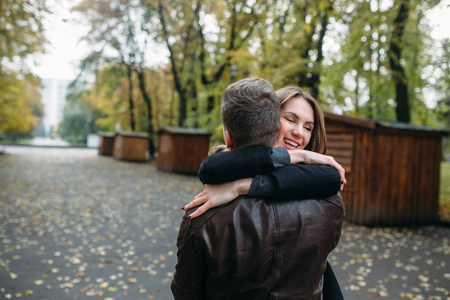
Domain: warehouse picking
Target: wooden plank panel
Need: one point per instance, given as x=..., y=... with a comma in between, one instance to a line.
x=333, y=127
x=353, y=187
x=430, y=176
x=403, y=208
x=396, y=195
x=437, y=157
x=418, y=173
x=422, y=184
x=362, y=158
x=106, y=144
x=393, y=173
x=343, y=160
x=341, y=147
x=425, y=181
x=340, y=152
x=360, y=169
x=433, y=191
x=353, y=179
x=415, y=181
x=129, y=147
x=382, y=176
x=434, y=176
x=341, y=137
x=188, y=151
x=406, y=208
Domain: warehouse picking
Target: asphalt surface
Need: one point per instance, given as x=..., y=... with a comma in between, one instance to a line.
x=76, y=225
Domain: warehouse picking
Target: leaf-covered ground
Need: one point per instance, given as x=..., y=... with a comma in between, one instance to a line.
x=444, y=195
x=75, y=225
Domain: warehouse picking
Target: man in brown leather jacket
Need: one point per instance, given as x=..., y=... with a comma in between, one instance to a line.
x=254, y=248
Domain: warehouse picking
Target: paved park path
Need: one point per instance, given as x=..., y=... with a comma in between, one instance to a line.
x=75, y=225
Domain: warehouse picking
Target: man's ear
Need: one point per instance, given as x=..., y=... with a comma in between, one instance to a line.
x=280, y=136
x=228, y=140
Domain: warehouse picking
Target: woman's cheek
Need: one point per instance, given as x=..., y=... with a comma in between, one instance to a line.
x=307, y=138
x=283, y=130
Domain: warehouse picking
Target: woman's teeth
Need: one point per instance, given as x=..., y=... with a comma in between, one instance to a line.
x=291, y=143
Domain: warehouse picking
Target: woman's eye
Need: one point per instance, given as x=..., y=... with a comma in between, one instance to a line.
x=290, y=120
x=308, y=129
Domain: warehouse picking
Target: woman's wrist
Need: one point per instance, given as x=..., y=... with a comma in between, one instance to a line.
x=243, y=186
x=297, y=156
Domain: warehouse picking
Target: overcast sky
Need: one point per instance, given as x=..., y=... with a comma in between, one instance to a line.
x=65, y=51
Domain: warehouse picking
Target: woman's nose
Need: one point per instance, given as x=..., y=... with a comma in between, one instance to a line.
x=297, y=132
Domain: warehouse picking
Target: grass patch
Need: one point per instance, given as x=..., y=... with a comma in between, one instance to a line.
x=444, y=193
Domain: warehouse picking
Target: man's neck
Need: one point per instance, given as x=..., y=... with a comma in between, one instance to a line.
x=235, y=148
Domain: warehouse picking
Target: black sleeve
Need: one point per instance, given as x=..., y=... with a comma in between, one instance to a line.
x=331, y=288
x=270, y=178
x=297, y=182
x=242, y=163
x=306, y=181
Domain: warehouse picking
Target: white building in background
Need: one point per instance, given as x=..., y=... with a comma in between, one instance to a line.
x=53, y=98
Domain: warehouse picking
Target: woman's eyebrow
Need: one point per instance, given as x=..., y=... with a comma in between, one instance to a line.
x=291, y=112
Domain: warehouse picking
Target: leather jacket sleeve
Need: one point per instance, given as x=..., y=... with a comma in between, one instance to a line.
x=191, y=269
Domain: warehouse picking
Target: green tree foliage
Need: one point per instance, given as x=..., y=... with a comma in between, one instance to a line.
x=74, y=125
x=291, y=38
x=21, y=34
x=357, y=78
x=118, y=32
x=442, y=83
x=20, y=106
x=106, y=100
x=367, y=58
x=21, y=28
x=203, y=38
x=379, y=70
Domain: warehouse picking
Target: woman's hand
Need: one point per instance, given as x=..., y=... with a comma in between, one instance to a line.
x=310, y=157
x=217, y=194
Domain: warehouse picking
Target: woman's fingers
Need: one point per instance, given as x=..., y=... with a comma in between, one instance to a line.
x=196, y=202
x=199, y=211
x=341, y=171
x=214, y=195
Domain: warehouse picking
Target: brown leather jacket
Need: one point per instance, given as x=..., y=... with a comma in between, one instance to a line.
x=257, y=249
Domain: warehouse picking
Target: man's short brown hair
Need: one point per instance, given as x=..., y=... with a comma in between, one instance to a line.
x=251, y=112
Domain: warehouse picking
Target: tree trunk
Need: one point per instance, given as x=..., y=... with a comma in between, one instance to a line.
x=311, y=77
x=235, y=41
x=211, y=102
x=192, y=87
x=356, y=103
x=148, y=103
x=176, y=78
x=398, y=73
x=130, y=97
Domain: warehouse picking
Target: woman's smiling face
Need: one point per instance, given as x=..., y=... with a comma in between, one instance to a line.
x=297, y=121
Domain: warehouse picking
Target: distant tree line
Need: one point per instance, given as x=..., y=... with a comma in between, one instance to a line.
x=21, y=35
